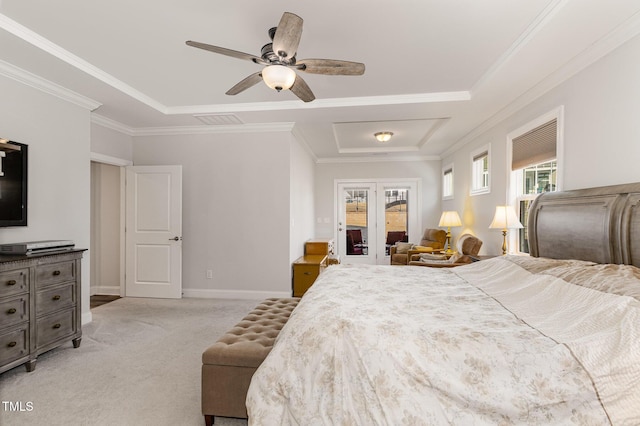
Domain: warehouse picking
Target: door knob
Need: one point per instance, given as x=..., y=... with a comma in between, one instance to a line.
x=176, y=238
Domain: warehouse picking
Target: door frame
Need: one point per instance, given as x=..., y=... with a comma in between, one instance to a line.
x=415, y=219
x=121, y=163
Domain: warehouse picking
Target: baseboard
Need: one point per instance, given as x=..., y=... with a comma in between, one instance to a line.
x=232, y=294
x=86, y=318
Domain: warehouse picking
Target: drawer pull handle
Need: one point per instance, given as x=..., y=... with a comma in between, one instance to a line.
x=307, y=273
x=12, y=344
x=11, y=311
x=56, y=297
x=57, y=325
x=12, y=282
x=56, y=272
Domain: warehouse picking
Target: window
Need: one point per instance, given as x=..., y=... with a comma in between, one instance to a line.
x=535, y=165
x=533, y=181
x=447, y=182
x=480, y=171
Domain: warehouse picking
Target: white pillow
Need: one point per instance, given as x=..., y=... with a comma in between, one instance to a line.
x=403, y=248
x=427, y=257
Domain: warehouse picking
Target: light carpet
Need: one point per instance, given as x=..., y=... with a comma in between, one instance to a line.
x=138, y=364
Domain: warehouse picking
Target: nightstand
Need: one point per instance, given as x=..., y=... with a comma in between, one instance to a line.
x=305, y=271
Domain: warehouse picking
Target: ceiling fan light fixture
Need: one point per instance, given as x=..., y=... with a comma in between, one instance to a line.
x=278, y=77
x=383, y=136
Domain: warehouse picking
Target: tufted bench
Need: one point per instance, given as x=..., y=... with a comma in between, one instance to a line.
x=229, y=364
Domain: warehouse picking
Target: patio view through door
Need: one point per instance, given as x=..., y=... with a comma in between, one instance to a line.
x=372, y=216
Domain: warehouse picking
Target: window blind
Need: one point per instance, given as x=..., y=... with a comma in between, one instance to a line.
x=480, y=156
x=535, y=147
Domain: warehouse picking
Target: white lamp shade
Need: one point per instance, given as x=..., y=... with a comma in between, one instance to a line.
x=450, y=218
x=278, y=77
x=505, y=218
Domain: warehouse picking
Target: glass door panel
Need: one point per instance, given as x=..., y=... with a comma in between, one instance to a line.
x=357, y=213
x=395, y=217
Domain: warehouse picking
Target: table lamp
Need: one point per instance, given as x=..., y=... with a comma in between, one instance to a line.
x=505, y=218
x=449, y=219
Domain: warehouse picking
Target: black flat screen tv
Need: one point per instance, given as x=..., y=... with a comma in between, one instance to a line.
x=13, y=183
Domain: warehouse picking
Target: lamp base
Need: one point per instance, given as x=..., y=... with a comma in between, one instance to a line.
x=504, y=242
x=448, y=250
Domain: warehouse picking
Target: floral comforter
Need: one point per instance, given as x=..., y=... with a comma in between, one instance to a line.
x=510, y=340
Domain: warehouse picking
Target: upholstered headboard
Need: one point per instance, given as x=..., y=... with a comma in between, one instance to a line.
x=597, y=224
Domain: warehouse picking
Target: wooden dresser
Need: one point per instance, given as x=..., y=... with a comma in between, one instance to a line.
x=39, y=305
x=305, y=271
x=318, y=254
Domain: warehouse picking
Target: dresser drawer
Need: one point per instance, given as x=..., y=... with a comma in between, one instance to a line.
x=14, y=282
x=303, y=278
x=14, y=311
x=55, y=273
x=14, y=344
x=55, y=298
x=55, y=326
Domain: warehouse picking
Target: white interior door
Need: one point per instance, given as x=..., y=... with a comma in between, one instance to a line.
x=153, y=231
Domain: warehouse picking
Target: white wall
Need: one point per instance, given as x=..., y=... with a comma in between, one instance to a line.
x=302, y=199
x=105, y=229
x=58, y=136
x=326, y=174
x=601, y=138
x=236, y=209
x=111, y=143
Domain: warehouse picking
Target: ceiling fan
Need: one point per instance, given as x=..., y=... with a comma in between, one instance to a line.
x=279, y=58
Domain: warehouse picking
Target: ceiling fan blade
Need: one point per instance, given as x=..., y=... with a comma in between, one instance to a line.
x=302, y=90
x=330, y=67
x=252, y=80
x=287, y=36
x=227, y=52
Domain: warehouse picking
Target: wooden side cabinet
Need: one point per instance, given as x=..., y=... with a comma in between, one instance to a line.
x=305, y=271
x=39, y=305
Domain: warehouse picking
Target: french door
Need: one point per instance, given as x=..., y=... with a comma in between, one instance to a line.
x=373, y=215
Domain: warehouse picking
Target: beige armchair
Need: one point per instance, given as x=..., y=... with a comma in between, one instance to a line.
x=432, y=239
x=467, y=246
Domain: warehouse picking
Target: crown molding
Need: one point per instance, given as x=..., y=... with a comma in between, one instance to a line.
x=112, y=124
x=199, y=130
x=549, y=12
x=53, y=49
x=46, y=86
x=376, y=158
x=297, y=134
x=322, y=103
x=623, y=33
x=189, y=130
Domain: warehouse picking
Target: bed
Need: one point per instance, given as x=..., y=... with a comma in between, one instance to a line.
x=552, y=338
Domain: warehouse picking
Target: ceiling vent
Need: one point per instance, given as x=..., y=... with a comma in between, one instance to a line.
x=218, y=119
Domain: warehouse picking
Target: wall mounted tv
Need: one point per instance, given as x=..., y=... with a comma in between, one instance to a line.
x=13, y=183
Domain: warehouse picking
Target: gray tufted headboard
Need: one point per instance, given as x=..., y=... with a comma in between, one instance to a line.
x=597, y=224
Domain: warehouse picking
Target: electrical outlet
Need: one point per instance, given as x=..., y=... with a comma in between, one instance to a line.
x=209, y=274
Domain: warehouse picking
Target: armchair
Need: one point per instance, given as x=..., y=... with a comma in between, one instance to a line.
x=394, y=237
x=355, y=243
x=468, y=245
x=432, y=239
